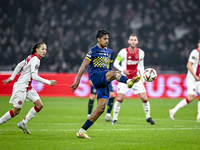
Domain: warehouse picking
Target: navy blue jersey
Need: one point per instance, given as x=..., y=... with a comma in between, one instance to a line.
x=100, y=60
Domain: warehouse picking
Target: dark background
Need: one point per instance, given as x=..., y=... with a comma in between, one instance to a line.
x=167, y=30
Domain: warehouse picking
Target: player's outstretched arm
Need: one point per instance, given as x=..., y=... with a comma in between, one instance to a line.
x=81, y=70
x=15, y=72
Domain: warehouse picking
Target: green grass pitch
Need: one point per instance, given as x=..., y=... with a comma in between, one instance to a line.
x=54, y=128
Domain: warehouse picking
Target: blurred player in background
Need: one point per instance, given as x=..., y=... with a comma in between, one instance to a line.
x=193, y=82
x=111, y=90
x=132, y=64
x=22, y=89
x=98, y=60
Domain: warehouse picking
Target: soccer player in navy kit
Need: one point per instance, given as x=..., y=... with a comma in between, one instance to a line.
x=98, y=60
x=111, y=90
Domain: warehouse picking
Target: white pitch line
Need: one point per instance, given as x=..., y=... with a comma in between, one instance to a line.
x=74, y=130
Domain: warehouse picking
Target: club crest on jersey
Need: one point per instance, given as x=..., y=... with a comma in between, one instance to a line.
x=136, y=56
x=36, y=67
x=90, y=52
x=19, y=102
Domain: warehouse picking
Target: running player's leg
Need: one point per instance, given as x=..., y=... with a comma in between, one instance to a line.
x=31, y=114
x=191, y=85
x=34, y=98
x=9, y=115
x=17, y=99
x=33, y=111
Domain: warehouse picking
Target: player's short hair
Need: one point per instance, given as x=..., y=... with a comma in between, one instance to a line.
x=199, y=41
x=101, y=32
x=132, y=34
x=37, y=45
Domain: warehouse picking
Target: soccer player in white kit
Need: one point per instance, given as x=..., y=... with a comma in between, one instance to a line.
x=22, y=89
x=193, y=82
x=132, y=64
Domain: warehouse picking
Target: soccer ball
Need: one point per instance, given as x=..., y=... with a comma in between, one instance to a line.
x=150, y=74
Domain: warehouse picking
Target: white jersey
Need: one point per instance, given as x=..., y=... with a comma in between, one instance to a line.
x=131, y=61
x=29, y=71
x=194, y=58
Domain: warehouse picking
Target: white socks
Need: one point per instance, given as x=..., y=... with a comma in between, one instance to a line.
x=5, y=117
x=82, y=130
x=33, y=111
x=180, y=105
x=146, y=107
x=116, y=109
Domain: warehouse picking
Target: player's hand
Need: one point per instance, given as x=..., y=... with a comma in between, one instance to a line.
x=74, y=86
x=53, y=82
x=197, y=78
x=90, y=82
x=126, y=72
x=7, y=81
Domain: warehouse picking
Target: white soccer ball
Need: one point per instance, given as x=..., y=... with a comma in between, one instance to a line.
x=150, y=74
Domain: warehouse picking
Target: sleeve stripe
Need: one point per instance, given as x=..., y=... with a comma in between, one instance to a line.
x=88, y=58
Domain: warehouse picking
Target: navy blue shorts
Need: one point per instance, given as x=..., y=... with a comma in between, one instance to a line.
x=101, y=84
x=94, y=91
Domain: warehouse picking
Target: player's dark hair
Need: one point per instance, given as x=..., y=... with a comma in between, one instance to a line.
x=133, y=34
x=101, y=32
x=37, y=45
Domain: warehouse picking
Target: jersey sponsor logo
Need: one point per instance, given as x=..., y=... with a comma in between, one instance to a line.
x=193, y=57
x=132, y=62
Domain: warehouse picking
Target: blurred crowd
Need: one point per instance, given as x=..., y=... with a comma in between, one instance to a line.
x=167, y=30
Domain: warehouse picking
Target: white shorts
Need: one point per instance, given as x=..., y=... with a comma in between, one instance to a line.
x=137, y=88
x=193, y=87
x=18, y=97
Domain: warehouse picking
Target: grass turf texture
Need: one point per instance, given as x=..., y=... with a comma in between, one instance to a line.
x=54, y=128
